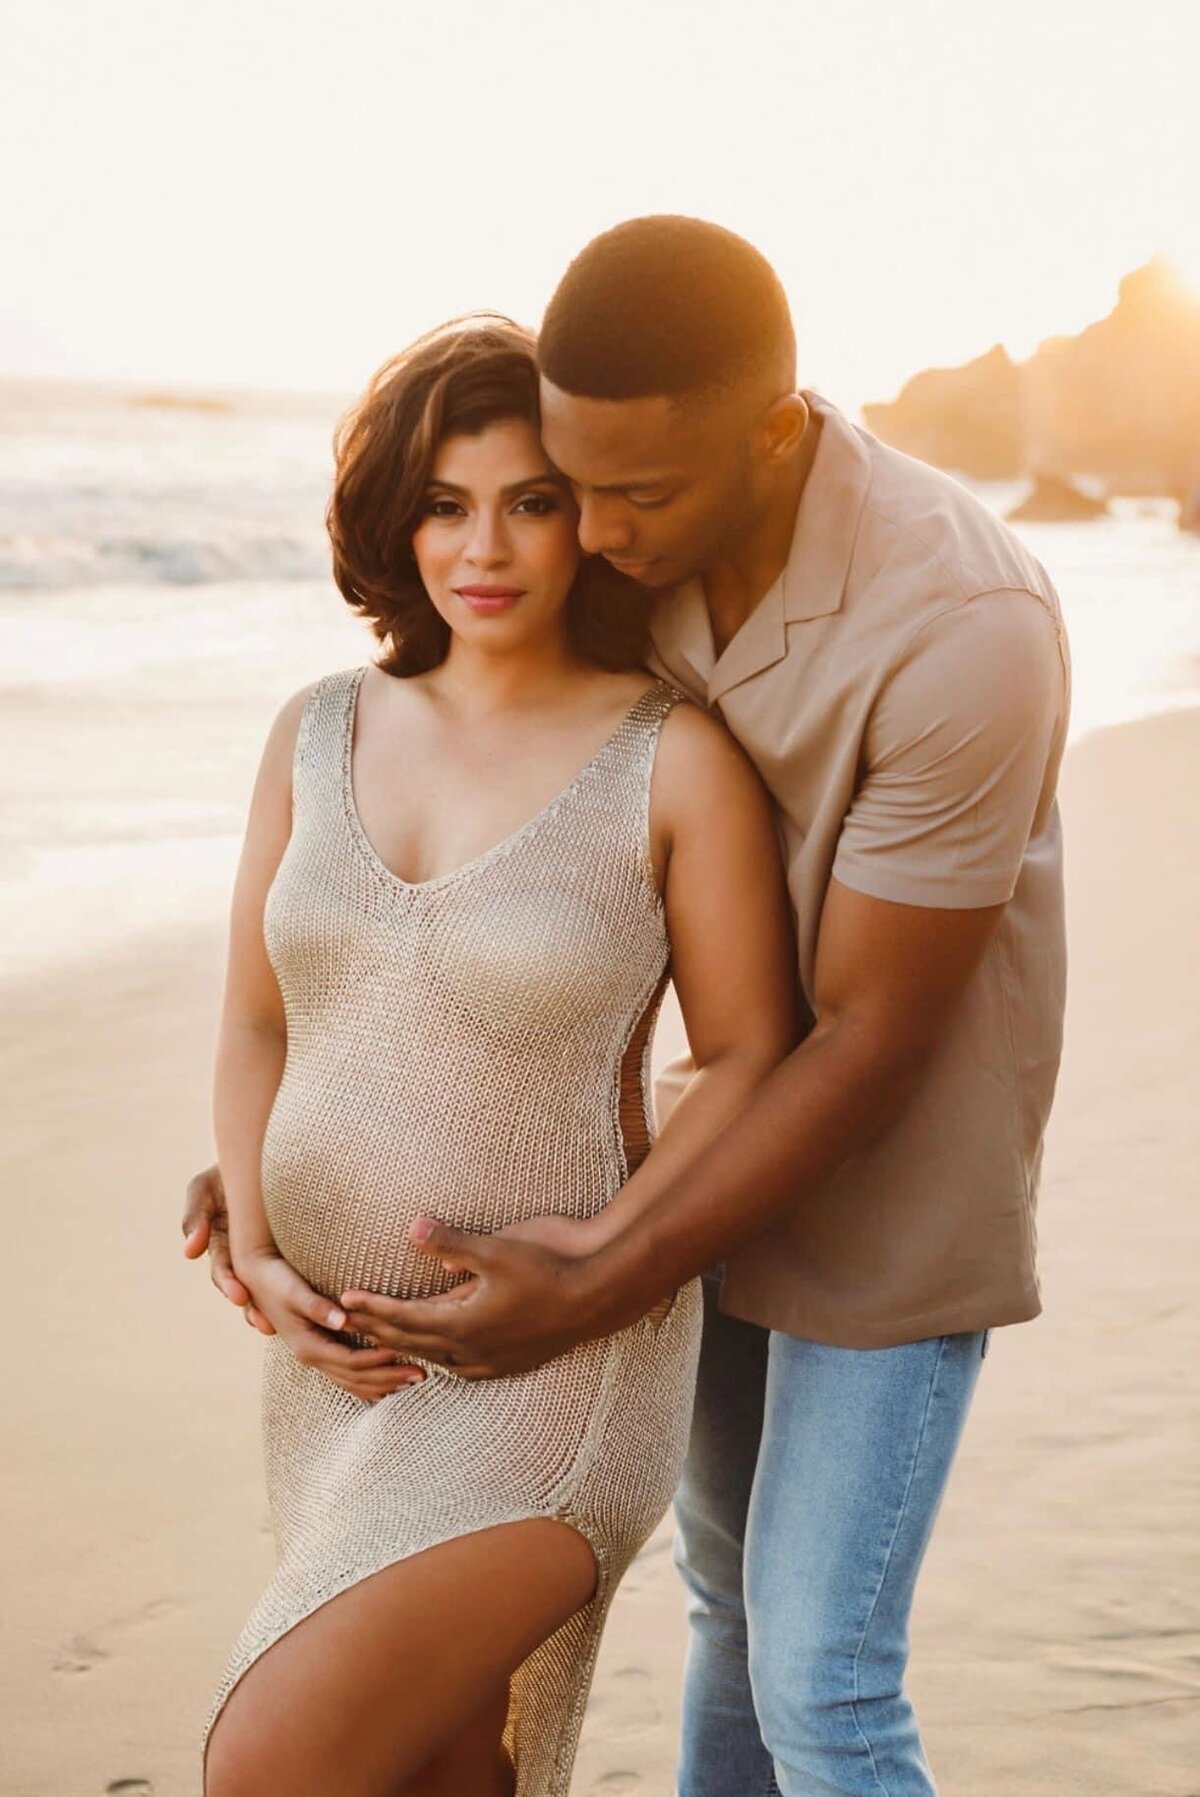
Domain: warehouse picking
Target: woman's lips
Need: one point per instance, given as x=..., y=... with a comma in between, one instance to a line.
x=489, y=599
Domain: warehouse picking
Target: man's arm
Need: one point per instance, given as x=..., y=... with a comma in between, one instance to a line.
x=888, y=976
x=930, y=853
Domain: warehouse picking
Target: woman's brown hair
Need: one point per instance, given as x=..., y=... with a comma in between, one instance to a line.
x=455, y=381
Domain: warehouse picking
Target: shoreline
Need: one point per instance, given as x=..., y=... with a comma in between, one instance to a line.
x=127, y=909
x=1056, y=1640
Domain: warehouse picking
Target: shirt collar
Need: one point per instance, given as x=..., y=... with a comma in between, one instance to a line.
x=811, y=585
x=827, y=519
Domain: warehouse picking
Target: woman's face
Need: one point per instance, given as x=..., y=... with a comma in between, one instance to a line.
x=497, y=548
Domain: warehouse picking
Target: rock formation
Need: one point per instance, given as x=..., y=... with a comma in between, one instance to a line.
x=966, y=418
x=1053, y=500
x=1119, y=403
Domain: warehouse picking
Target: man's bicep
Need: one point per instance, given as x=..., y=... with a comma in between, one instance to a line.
x=960, y=757
x=896, y=970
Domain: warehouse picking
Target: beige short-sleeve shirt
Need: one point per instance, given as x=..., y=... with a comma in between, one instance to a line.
x=903, y=690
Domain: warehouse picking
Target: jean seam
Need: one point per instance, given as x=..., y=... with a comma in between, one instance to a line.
x=900, y=1514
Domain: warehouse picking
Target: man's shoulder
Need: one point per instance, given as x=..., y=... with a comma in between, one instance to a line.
x=923, y=533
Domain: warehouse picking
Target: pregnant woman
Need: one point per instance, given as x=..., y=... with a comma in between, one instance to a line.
x=469, y=867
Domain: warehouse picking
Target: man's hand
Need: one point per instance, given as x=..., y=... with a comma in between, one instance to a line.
x=304, y=1319
x=528, y=1298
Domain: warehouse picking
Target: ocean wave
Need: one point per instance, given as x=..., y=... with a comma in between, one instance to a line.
x=152, y=495
x=41, y=564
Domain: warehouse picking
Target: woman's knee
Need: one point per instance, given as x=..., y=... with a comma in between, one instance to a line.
x=259, y=1760
x=477, y=1765
x=238, y=1761
x=325, y=1708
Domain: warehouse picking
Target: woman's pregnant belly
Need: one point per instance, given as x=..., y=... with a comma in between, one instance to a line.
x=348, y=1163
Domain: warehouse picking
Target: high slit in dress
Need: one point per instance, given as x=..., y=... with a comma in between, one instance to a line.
x=475, y=1047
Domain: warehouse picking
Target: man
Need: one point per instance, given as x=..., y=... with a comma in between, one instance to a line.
x=894, y=662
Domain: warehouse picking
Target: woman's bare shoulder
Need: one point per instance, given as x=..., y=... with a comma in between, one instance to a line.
x=700, y=769
x=286, y=725
x=279, y=750
x=693, y=740
x=293, y=708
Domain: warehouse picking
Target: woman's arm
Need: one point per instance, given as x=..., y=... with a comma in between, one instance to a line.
x=733, y=948
x=252, y=1041
x=251, y=1053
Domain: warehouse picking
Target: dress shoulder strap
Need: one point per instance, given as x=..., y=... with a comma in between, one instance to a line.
x=610, y=799
x=323, y=742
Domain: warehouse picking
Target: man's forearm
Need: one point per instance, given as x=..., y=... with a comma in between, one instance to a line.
x=833, y=1094
x=714, y=1096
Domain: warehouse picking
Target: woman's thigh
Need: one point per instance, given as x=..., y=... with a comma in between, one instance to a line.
x=363, y=1694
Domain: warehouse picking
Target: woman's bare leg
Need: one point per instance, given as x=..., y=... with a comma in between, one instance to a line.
x=367, y=1694
x=477, y=1762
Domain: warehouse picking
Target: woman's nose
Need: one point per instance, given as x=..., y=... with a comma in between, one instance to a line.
x=488, y=546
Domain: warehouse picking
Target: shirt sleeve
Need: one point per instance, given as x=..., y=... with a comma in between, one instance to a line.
x=960, y=757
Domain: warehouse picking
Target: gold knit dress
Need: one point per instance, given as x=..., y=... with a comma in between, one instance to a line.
x=474, y=1047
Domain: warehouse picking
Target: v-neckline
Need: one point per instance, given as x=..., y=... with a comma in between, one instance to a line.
x=497, y=849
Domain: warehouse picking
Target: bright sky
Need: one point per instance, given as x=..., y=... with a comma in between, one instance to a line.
x=283, y=192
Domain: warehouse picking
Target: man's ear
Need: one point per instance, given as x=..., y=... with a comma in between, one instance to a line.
x=783, y=425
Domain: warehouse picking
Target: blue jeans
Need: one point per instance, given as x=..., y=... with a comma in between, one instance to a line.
x=813, y=1479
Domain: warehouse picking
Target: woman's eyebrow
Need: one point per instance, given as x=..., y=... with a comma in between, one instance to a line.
x=516, y=486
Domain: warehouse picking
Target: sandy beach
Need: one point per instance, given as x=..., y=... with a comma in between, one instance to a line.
x=1057, y=1637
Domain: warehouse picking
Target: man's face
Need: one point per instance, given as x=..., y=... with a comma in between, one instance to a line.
x=663, y=491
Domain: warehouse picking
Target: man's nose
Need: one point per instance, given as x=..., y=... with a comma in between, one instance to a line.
x=601, y=530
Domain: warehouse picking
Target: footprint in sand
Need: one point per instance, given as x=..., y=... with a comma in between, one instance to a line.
x=129, y=1787
x=617, y=1784
x=628, y=1706
x=79, y=1655
x=83, y=1652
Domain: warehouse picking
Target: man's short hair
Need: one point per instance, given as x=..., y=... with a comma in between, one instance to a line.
x=664, y=305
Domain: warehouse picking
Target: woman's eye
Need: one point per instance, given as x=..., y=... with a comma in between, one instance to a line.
x=443, y=508
x=537, y=505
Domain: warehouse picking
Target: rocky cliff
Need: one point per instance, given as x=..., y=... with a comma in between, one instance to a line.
x=967, y=418
x=1120, y=402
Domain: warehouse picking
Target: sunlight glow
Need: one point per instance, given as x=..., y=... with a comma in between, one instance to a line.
x=1184, y=257
x=251, y=193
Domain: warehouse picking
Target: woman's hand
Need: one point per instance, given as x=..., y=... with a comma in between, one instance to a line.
x=206, y=1227
x=304, y=1320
